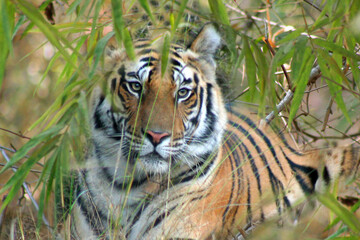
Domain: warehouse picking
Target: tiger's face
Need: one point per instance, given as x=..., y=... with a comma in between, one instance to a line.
x=157, y=122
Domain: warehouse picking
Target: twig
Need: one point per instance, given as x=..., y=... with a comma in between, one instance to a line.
x=17, y=134
x=286, y=28
x=14, y=151
x=328, y=111
x=314, y=74
x=28, y=192
x=314, y=6
x=289, y=95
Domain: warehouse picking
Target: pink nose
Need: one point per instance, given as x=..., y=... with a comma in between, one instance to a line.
x=155, y=137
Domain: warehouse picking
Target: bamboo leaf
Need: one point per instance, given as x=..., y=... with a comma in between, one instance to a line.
x=18, y=178
x=345, y=215
x=50, y=32
x=118, y=20
x=250, y=67
x=42, y=137
x=335, y=48
x=179, y=16
x=290, y=36
x=165, y=54
x=263, y=69
x=307, y=63
x=219, y=10
x=128, y=44
x=145, y=5
x=98, y=52
x=335, y=90
x=298, y=58
x=6, y=24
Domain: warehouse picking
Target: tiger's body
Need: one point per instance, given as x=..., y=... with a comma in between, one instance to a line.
x=170, y=160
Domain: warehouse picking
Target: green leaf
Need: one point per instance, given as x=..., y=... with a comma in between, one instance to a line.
x=345, y=215
x=179, y=16
x=298, y=58
x=290, y=36
x=304, y=73
x=219, y=10
x=98, y=52
x=49, y=31
x=128, y=44
x=250, y=67
x=118, y=20
x=18, y=178
x=263, y=69
x=165, y=54
x=6, y=24
x=42, y=137
x=145, y=5
x=332, y=73
x=335, y=48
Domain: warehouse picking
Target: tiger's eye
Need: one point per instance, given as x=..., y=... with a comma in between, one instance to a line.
x=135, y=86
x=183, y=92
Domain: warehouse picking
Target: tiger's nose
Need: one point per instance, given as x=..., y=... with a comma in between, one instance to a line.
x=156, y=137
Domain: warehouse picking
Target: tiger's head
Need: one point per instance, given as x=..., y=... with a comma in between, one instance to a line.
x=157, y=122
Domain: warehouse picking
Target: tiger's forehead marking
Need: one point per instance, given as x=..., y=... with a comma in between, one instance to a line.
x=149, y=60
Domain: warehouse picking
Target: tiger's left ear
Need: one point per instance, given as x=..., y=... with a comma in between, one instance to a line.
x=206, y=43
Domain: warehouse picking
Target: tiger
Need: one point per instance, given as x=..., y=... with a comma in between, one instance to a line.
x=171, y=159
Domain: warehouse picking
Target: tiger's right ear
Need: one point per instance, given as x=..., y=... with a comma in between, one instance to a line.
x=207, y=42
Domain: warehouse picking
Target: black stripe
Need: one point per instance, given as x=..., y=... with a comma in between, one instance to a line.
x=146, y=51
x=231, y=160
x=326, y=176
x=195, y=119
x=308, y=171
x=113, y=84
x=210, y=119
x=143, y=45
x=263, y=136
x=132, y=74
x=174, y=62
x=230, y=109
x=148, y=59
x=249, y=213
x=175, y=54
x=150, y=74
x=98, y=123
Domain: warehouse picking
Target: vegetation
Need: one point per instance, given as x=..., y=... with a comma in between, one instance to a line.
x=51, y=57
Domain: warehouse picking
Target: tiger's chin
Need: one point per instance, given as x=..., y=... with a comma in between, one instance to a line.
x=153, y=163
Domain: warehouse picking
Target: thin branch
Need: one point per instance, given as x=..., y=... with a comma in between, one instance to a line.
x=28, y=193
x=17, y=134
x=289, y=95
x=342, y=86
x=328, y=111
x=314, y=74
x=31, y=170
